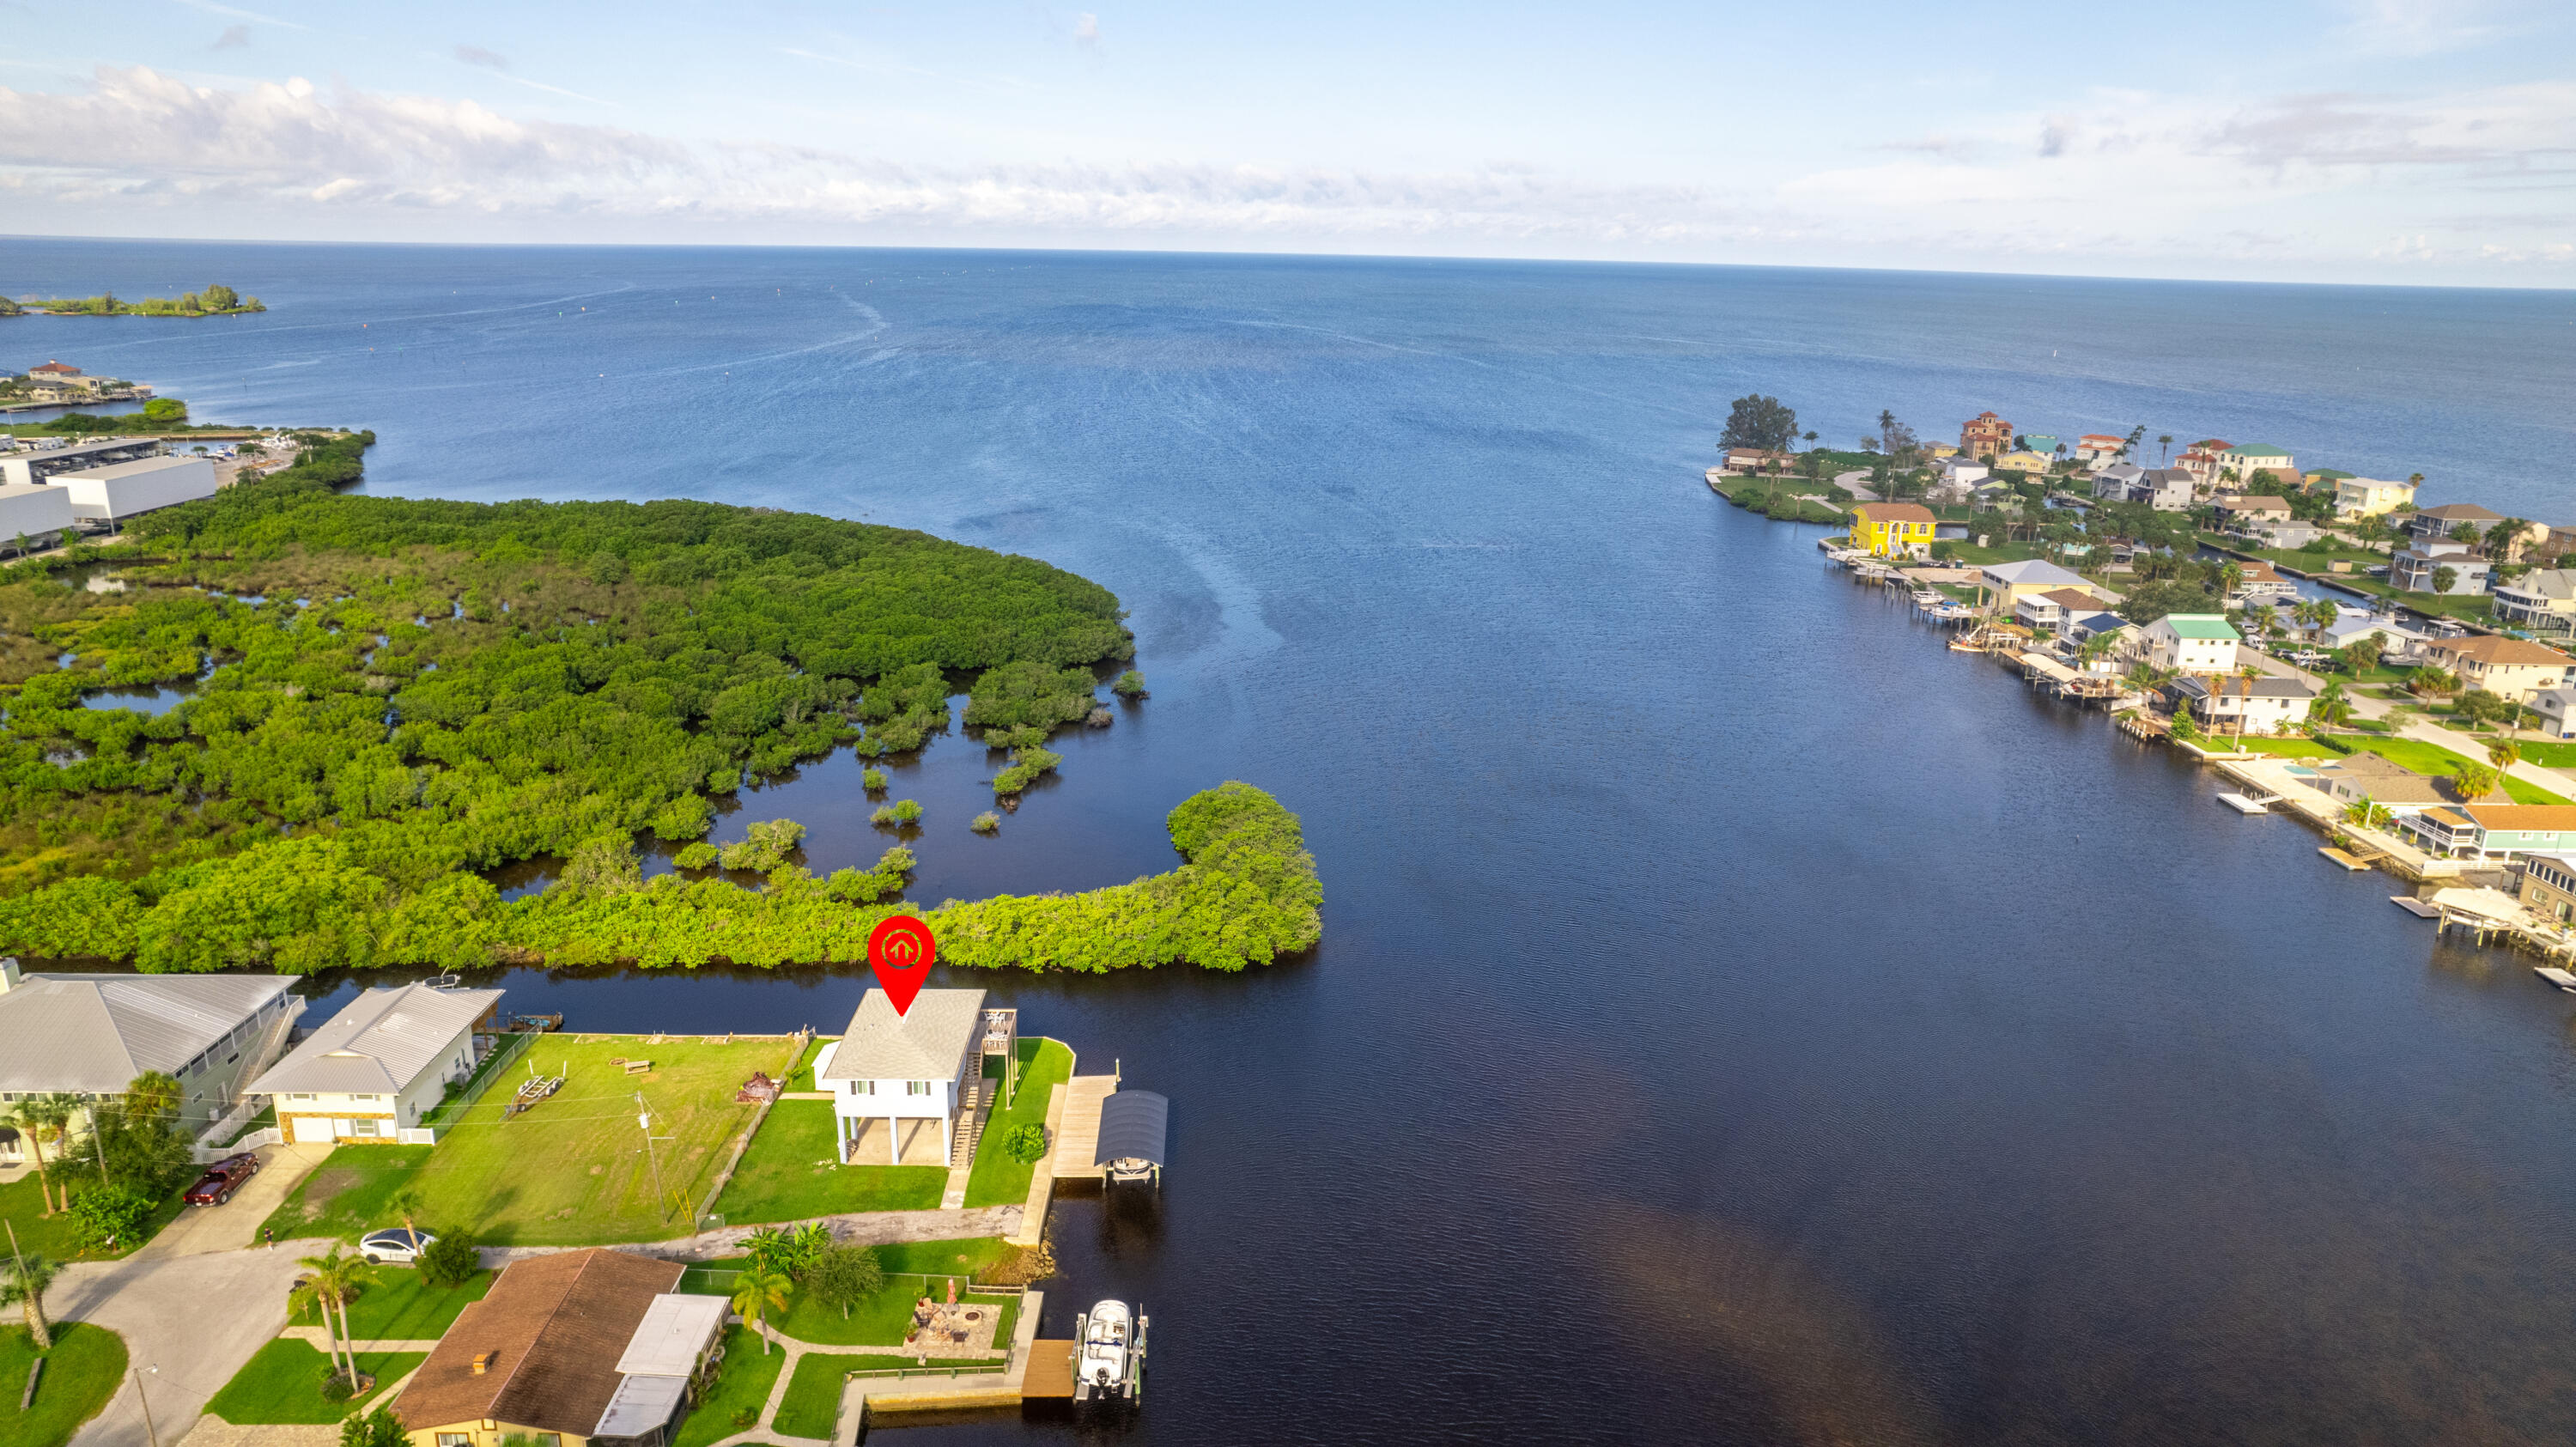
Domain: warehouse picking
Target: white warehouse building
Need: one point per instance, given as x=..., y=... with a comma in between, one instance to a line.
x=113, y=493
x=38, y=513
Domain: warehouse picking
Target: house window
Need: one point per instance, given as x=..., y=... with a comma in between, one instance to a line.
x=294, y=1096
x=455, y=1439
x=362, y=1126
x=916, y=1087
x=863, y=1087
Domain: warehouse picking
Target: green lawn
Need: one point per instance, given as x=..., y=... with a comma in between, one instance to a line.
x=742, y=1387
x=84, y=1369
x=2278, y=748
x=399, y=1306
x=570, y=1172
x=2426, y=758
x=2550, y=755
x=913, y=1270
x=998, y=1180
x=282, y=1384
x=789, y=1175
x=22, y=1205
x=812, y=1405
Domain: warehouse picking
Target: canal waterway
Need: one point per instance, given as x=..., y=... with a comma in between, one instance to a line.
x=1738, y=1018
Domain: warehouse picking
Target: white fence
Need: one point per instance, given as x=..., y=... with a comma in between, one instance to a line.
x=265, y=1136
x=415, y=1136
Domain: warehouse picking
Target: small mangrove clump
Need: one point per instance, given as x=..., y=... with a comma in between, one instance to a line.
x=873, y=780
x=1099, y=718
x=901, y=811
x=1026, y=765
x=1130, y=684
x=700, y=855
x=986, y=822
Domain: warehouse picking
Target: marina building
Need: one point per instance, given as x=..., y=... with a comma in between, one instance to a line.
x=40, y=513
x=119, y=490
x=22, y=469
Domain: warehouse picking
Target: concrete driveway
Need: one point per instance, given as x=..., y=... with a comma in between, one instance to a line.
x=196, y=1317
x=235, y=1224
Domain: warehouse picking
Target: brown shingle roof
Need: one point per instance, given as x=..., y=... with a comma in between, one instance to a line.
x=555, y=1326
x=2489, y=649
x=2071, y=598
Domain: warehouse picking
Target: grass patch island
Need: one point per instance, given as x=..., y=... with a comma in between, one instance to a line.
x=281, y=1385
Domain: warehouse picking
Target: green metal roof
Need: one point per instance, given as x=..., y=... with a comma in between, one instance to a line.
x=2200, y=625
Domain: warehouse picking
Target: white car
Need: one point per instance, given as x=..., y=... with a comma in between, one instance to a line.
x=395, y=1246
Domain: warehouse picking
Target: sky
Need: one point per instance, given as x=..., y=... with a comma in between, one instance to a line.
x=2376, y=141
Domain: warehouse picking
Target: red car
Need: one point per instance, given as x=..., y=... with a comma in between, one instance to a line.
x=221, y=1179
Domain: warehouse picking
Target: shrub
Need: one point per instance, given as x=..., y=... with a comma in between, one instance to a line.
x=336, y=1386
x=1130, y=684
x=451, y=1260
x=986, y=822
x=844, y=1276
x=900, y=812
x=1025, y=1143
x=873, y=780
x=106, y=1215
x=378, y=1428
x=685, y=817
x=766, y=845
x=700, y=855
x=1026, y=765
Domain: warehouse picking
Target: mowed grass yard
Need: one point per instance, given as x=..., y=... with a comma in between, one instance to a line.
x=22, y=1205
x=913, y=1270
x=281, y=1385
x=789, y=1173
x=84, y=1369
x=570, y=1172
x=998, y=1180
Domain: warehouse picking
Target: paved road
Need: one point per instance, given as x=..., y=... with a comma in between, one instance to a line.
x=197, y=1318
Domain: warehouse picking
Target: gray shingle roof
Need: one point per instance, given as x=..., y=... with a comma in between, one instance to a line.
x=924, y=1043
x=379, y=1044
x=95, y=1033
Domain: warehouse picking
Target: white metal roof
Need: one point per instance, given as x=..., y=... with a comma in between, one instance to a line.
x=116, y=470
x=95, y=1033
x=675, y=1332
x=642, y=1404
x=381, y=1043
x=924, y=1043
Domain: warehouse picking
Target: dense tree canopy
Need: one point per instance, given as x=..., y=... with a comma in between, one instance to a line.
x=390, y=695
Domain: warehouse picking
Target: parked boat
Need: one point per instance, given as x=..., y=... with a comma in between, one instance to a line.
x=1109, y=1354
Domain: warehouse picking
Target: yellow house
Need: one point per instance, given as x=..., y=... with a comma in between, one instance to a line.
x=1892, y=529
x=2029, y=462
x=2362, y=497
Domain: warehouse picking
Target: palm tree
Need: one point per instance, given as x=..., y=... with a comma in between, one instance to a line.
x=335, y=1279
x=405, y=1204
x=2474, y=782
x=760, y=1289
x=2504, y=754
x=2164, y=447
x=153, y=1095
x=2330, y=707
x=25, y=1285
x=33, y=1118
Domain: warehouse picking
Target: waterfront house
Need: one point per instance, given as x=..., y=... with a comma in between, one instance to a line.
x=2282, y=534
x=2028, y=464
x=2189, y=643
x=2549, y=885
x=1892, y=529
x=2559, y=544
x=2366, y=775
x=90, y=1035
x=2166, y=489
x=2100, y=447
x=2512, y=668
x=2540, y=601
x=2260, y=583
x=2557, y=710
x=2009, y=583
x=380, y=1065
x=2494, y=831
x=539, y=1356
x=1745, y=461
x=906, y=1071
x=2396, y=643
x=2439, y=522
x=2255, y=457
x=2085, y=627
x=2043, y=443
x=2049, y=611
x=2419, y=569
x=1985, y=435
x=2200, y=460
x=2112, y=481
x=1961, y=471
x=2235, y=704
x=2362, y=497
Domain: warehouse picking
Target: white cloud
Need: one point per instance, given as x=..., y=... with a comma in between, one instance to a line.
x=1086, y=29
x=2124, y=178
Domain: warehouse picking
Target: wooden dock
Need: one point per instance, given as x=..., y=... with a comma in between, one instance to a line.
x=1050, y=1374
x=1077, y=1137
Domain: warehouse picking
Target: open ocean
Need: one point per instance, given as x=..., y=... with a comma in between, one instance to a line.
x=1739, y=1019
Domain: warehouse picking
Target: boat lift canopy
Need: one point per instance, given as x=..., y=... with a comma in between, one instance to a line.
x=1132, y=1127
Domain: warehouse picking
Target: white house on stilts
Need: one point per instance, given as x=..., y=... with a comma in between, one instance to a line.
x=898, y=1082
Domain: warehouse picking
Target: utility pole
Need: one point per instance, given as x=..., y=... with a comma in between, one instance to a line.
x=148, y=1430
x=644, y=1118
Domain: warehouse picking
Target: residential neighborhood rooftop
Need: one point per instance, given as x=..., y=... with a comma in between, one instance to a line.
x=2200, y=625
x=2489, y=648
x=94, y=1033
x=923, y=1043
x=379, y=1043
x=552, y=1328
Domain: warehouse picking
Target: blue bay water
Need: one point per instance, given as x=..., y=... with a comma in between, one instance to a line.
x=1738, y=1019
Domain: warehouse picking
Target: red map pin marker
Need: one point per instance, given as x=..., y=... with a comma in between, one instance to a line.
x=901, y=950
